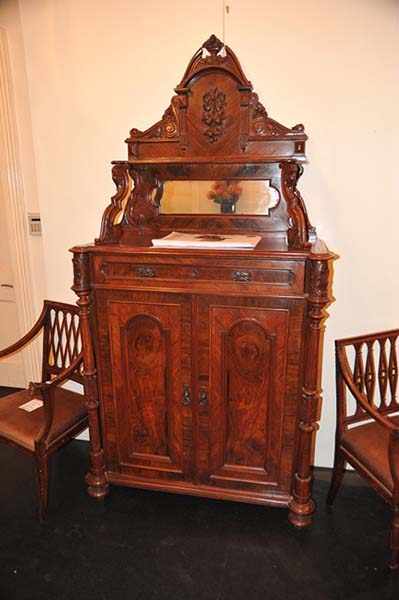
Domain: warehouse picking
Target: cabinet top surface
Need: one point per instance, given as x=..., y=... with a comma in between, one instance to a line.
x=267, y=248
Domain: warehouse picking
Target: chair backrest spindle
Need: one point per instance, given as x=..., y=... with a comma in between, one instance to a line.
x=373, y=362
x=61, y=340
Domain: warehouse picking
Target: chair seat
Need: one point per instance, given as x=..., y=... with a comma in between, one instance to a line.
x=23, y=428
x=369, y=443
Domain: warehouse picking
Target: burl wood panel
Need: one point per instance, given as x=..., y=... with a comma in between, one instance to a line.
x=248, y=383
x=253, y=378
x=149, y=363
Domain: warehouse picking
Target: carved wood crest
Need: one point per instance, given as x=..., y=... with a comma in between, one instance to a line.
x=226, y=99
x=214, y=125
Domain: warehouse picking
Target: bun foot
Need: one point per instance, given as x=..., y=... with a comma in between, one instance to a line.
x=301, y=515
x=97, y=486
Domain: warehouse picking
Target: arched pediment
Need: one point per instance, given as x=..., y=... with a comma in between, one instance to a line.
x=215, y=112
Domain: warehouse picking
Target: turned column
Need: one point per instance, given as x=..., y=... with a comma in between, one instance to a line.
x=95, y=478
x=319, y=297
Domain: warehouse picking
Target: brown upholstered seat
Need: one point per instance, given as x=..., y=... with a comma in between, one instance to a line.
x=369, y=443
x=367, y=435
x=63, y=414
x=24, y=428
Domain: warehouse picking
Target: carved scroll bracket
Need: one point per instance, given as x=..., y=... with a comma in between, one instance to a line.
x=261, y=124
x=166, y=128
x=142, y=207
x=300, y=231
x=113, y=214
x=136, y=202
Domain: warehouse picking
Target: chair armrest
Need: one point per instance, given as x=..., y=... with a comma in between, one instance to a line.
x=361, y=399
x=43, y=390
x=46, y=386
x=27, y=337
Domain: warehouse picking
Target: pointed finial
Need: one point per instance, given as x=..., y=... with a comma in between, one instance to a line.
x=213, y=45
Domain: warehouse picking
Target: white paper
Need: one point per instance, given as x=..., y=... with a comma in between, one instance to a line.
x=207, y=241
x=31, y=405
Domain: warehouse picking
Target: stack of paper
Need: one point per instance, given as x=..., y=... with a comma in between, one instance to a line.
x=206, y=240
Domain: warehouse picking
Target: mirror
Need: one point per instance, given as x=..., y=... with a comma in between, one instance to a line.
x=229, y=196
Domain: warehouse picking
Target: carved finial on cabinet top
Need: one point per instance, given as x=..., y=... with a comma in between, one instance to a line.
x=213, y=45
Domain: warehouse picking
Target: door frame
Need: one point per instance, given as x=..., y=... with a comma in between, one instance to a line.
x=12, y=184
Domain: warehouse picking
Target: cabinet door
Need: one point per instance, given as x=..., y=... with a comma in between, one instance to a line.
x=251, y=375
x=151, y=378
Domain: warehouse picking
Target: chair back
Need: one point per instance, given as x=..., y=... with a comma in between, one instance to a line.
x=371, y=363
x=62, y=342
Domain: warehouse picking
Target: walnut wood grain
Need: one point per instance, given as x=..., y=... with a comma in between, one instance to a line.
x=152, y=416
x=208, y=363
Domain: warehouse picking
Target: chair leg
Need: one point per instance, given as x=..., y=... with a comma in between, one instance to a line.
x=337, y=477
x=42, y=468
x=394, y=562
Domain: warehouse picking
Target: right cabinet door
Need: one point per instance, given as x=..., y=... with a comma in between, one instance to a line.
x=250, y=369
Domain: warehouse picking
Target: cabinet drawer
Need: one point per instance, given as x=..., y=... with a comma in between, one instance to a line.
x=268, y=273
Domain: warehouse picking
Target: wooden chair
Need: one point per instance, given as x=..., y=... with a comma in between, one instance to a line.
x=367, y=435
x=63, y=413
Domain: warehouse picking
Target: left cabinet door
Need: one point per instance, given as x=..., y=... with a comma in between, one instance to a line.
x=149, y=352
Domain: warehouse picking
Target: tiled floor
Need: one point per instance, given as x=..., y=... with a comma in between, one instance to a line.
x=144, y=545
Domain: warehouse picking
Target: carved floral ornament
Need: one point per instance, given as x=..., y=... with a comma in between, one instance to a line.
x=214, y=115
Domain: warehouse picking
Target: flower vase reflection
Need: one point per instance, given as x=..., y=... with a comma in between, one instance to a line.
x=226, y=193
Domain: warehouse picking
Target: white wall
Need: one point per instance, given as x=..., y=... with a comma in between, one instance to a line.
x=98, y=68
x=11, y=24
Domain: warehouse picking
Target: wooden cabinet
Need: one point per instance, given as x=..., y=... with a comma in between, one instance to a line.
x=200, y=388
x=204, y=367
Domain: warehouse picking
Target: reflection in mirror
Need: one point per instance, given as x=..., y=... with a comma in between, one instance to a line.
x=249, y=197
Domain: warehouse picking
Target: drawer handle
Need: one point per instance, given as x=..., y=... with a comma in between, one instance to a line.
x=242, y=276
x=145, y=272
x=203, y=398
x=186, y=400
